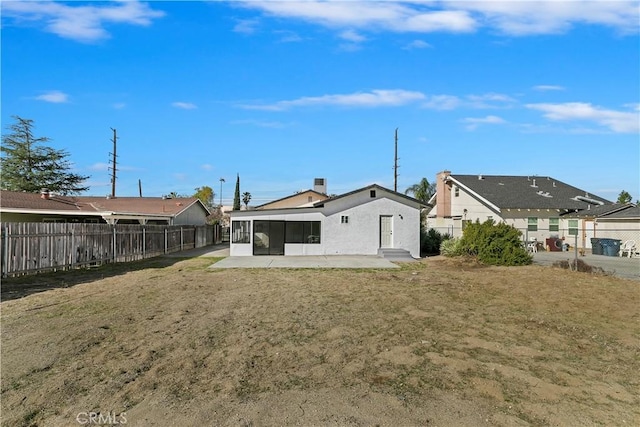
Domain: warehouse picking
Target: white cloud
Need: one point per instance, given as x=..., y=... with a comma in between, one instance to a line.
x=260, y=123
x=352, y=36
x=417, y=44
x=101, y=167
x=616, y=121
x=545, y=88
x=442, y=102
x=374, y=98
x=473, y=122
x=85, y=23
x=184, y=105
x=521, y=18
x=54, y=96
x=246, y=26
x=518, y=18
x=451, y=102
x=207, y=167
x=119, y=105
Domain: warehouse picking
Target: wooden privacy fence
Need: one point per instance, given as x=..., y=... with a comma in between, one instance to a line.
x=35, y=247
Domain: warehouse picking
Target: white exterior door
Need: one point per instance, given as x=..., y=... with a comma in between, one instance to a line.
x=386, y=231
x=588, y=233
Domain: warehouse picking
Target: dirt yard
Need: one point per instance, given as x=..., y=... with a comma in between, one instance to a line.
x=440, y=342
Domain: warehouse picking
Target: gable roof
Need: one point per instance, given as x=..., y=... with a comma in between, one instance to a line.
x=15, y=201
x=614, y=209
x=301, y=193
x=527, y=192
x=369, y=187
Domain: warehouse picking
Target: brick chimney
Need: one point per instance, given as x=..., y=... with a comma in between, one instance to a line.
x=443, y=197
x=44, y=194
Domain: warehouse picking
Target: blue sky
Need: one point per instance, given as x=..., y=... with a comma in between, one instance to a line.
x=284, y=92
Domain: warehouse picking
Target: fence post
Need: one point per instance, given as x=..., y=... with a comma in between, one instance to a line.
x=144, y=242
x=73, y=235
x=181, y=240
x=5, y=249
x=113, y=248
x=166, y=231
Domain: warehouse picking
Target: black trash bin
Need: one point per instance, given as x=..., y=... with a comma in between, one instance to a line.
x=596, y=246
x=610, y=247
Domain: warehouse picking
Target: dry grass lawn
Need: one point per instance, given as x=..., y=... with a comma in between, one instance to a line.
x=439, y=342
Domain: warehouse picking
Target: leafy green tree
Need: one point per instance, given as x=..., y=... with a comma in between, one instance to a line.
x=246, y=198
x=236, y=196
x=29, y=165
x=422, y=191
x=206, y=195
x=624, y=197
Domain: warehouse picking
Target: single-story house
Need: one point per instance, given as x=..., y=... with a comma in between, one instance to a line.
x=360, y=222
x=539, y=206
x=616, y=221
x=47, y=207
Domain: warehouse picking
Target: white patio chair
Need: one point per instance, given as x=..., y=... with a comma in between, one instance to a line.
x=628, y=247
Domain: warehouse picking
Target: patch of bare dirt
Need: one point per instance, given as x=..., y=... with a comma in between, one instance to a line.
x=439, y=342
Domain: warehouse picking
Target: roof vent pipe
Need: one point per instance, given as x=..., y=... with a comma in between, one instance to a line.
x=480, y=177
x=44, y=194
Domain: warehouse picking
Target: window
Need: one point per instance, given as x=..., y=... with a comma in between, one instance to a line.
x=554, y=224
x=573, y=227
x=456, y=191
x=532, y=224
x=310, y=199
x=302, y=232
x=240, y=231
x=344, y=219
x=372, y=193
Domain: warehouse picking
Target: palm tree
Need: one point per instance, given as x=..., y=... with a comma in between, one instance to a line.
x=246, y=198
x=422, y=191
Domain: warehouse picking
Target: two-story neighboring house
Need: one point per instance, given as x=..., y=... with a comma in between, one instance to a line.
x=539, y=206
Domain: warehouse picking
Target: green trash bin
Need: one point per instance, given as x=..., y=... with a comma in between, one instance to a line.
x=610, y=247
x=596, y=246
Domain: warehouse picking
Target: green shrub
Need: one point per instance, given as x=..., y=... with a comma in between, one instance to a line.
x=430, y=241
x=494, y=244
x=450, y=247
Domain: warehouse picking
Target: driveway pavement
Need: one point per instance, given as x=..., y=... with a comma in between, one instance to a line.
x=622, y=267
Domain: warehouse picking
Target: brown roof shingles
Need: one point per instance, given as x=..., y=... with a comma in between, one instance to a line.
x=132, y=205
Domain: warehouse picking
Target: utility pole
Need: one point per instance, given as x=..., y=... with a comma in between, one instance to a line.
x=114, y=165
x=395, y=166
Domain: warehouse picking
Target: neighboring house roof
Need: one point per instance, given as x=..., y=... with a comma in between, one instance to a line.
x=22, y=202
x=526, y=192
x=317, y=195
x=612, y=210
x=631, y=212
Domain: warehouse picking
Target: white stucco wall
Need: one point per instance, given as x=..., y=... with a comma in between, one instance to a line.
x=362, y=234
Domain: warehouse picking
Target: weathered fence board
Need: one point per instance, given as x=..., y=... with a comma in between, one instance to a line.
x=35, y=247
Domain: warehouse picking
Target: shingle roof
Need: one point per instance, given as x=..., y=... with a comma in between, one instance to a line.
x=369, y=187
x=632, y=212
x=527, y=192
x=600, y=211
x=87, y=204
